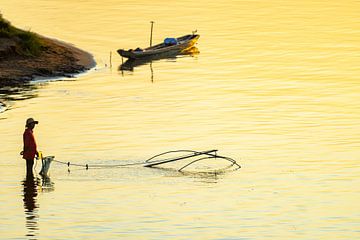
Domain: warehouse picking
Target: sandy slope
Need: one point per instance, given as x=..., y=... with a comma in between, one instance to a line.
x=56, y=59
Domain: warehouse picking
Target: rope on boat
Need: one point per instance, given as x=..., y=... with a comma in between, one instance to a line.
x=153, y=161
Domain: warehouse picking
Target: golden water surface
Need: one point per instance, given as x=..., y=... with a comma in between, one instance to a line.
x=275, y=86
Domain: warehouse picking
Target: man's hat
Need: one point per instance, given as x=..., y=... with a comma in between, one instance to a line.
x=31, y=120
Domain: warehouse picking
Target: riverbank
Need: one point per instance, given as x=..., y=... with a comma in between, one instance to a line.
x=56, y=59
x=25, y=56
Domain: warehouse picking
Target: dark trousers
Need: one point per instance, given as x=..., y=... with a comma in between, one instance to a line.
x=29, y=166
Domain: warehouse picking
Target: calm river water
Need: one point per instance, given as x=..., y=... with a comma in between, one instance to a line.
x=275, y=86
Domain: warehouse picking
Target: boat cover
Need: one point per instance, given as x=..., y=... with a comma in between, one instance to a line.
x=170, y=41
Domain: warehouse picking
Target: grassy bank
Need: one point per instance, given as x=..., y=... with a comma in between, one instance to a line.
x=25, y=56
x=24, y=42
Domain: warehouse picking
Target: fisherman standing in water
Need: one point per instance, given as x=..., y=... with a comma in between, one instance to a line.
x=29, y=151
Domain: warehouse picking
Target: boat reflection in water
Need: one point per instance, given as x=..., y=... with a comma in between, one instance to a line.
x=130, y=64
x=31, y=186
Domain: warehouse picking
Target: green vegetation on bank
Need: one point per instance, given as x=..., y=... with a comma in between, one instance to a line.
x=29, y=43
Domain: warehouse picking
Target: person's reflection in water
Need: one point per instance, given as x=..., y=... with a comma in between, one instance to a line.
x=30, y=194
x=31, y=186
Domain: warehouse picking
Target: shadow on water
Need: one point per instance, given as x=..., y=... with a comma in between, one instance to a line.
x=15, y=93
x=32, y=185
x=130, y=64
x=30, y=194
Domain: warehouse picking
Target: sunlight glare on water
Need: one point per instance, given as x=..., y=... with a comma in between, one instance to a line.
x=275, y=86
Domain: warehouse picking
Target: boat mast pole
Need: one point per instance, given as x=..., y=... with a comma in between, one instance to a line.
x=152, y=24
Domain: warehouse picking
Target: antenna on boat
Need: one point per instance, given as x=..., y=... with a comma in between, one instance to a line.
x=152, y=24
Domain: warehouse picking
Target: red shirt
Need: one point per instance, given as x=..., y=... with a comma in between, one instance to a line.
x=29, y=144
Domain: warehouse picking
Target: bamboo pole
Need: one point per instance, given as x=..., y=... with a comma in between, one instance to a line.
x=151, y=164
x=110, y=59
x=151, y=33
